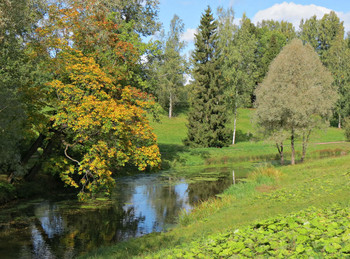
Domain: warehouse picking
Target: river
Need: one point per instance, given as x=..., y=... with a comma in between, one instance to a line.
x=61, y=227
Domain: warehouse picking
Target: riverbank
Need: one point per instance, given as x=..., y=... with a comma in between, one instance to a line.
x=320, y=182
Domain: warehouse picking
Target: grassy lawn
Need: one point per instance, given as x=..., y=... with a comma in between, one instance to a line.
x=171, y=132
x=297, y=192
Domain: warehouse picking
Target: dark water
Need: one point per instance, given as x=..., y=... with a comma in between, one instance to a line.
x=63, y=228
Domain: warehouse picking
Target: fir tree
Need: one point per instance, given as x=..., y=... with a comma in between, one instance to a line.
x=207, y=116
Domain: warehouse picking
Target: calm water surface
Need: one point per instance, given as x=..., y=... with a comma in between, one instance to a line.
x=62, y=228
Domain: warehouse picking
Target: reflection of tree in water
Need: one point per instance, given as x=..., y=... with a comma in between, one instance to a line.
x=140, y=205
x=64, y=232
x=93, y=228
x=203, y=190
x=167, y=201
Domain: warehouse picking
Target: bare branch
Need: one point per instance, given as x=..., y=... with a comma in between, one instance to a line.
x=70, y=158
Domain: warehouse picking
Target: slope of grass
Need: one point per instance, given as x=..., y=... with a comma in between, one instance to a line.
x=317, y=183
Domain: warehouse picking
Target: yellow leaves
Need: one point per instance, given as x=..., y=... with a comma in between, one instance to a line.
x=103, y=120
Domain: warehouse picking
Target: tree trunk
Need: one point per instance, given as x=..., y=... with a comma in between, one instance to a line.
x=339, y=121
x=292, y=147
x=235, y=119
x=280, y=151
x=170, y=106
x=33, y=148
x=305, y=142
x=234, y=125
x=37, y=166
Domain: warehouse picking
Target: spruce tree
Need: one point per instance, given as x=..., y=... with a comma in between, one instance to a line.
x=207, y=116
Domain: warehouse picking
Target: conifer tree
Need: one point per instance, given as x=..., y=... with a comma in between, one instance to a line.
x=207, y=117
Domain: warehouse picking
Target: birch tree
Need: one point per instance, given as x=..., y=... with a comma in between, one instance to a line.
x=172, y=66
x=238, y=45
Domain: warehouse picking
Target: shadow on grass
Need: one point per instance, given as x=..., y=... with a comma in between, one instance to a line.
x=243, y=137
x=171, y=154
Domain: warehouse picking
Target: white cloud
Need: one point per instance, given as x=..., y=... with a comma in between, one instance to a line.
x=293, y=13
x=188, y=35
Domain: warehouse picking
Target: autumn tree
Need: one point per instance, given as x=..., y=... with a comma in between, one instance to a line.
x=171, y=66
x=238, y=45
x=295, y=96
x=96, y=113
x=207, y=117
x=104, y=126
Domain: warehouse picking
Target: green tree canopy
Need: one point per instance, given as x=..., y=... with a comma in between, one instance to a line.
x=238, y=46
x=171, y=67
x=296, y=93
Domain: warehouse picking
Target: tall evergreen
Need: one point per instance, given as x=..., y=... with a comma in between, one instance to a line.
x=207, y=116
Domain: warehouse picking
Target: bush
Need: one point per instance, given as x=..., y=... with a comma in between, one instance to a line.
x=347, y=128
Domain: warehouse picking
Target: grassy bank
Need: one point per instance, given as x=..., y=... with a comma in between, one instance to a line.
x=316, y=184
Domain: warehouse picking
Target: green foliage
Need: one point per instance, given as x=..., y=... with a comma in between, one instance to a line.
x=272, y=36
x=347, y=128
x=336, y=60
x=238, y=47
x=143, y=14
x=7, y=192
x=19, y=75
x=171, y=67
x=207, y=117
x=295, y=95
x=320, y=34
x=309, y=233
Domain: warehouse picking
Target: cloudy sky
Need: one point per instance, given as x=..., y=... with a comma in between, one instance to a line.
x=293, y=11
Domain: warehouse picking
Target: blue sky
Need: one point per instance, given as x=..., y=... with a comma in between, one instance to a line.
x=190, y=11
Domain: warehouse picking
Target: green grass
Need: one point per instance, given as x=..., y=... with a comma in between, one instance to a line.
x=172, y=131
x=319, y=183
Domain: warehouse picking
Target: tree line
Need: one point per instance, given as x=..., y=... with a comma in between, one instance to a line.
x=296, y=80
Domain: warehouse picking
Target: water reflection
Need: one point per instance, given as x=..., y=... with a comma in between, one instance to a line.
x=140, y=205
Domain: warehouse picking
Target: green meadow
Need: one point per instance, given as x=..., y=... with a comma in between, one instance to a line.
x=277, y=211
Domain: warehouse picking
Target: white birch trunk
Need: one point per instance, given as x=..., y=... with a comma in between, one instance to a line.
x=170, y=106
